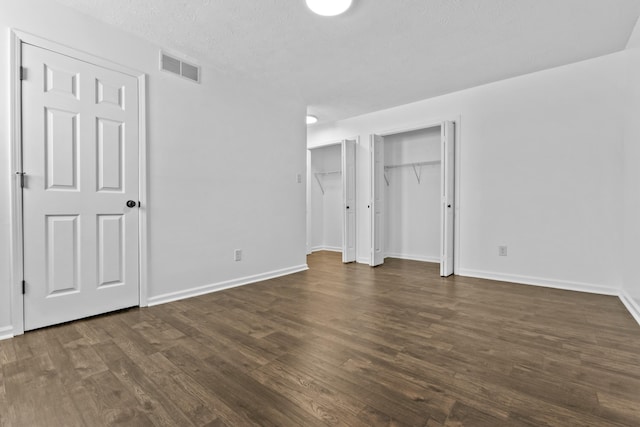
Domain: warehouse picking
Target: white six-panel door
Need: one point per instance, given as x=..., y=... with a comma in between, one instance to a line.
x=349, y=201
x=80, y=157
x=447, y=181
x=377, y=200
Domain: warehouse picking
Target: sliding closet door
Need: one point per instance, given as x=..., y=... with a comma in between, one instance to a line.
x=376, y=145
x=349, y=201
x=447, y=212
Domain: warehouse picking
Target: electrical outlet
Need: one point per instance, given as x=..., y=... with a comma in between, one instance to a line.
x=237, y=255
x=299, y=178
x=502, y=251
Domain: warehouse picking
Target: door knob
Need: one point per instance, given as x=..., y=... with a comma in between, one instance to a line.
x=347, y=207
x=131, y=204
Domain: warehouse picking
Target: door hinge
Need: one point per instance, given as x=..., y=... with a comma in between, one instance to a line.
x=24, y=287
x=21, y=175
x=23, y=73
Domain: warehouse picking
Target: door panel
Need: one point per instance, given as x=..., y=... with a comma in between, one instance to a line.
x=377, y=200
x=109, y=93
x=65, y=83
x=61, y=150
x=110, y=249
x=448, y=199
x=62, y=263
x=110, y=155
x=80, y=157
x=349, y=201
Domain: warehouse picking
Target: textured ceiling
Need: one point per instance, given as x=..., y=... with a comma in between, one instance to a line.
x=381, y=53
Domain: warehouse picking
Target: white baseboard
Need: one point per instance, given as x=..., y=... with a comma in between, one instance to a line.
x=413, y=257
x=326, y=248
x=541, y=281
x=363, y=260
x=214, y=287
x=631, y=305
x=6, y=332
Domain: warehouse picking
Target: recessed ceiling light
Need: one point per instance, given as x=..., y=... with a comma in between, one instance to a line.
x=311, y=119
x=329, y=7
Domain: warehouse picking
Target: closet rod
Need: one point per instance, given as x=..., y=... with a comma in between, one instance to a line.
x=417, y=168
x=434, y=162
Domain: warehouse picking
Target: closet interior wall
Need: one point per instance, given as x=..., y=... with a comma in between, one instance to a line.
x=412, y=196
x=326, y=198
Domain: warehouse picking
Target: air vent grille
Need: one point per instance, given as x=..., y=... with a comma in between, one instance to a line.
x=180, y=68
x=190, y=71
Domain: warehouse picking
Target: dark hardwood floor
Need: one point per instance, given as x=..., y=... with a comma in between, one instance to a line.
x=338, y=344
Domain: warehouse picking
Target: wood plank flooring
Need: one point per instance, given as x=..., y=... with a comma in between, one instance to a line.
x=336, y=345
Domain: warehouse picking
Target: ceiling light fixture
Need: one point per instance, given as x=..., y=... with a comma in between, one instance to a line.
x=311, y=119
x=329, y=7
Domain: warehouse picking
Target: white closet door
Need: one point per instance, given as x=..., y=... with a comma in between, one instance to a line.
x=349, y=201
x=447, y=212
x=80, y=156
x=376, y=146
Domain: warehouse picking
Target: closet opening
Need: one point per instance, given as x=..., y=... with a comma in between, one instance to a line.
x=331, y=207
x=412, y=196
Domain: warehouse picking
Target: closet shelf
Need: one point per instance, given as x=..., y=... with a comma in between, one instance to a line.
x=327, y=173
x=319, y=174
x=417, y=168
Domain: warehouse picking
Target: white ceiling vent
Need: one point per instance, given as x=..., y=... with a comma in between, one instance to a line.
x=181, y=68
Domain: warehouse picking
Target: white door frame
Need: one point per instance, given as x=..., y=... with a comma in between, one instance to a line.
x=308, y=199
x=356, y=139
x=457, y=120
x=15, y=134
x=309, y=187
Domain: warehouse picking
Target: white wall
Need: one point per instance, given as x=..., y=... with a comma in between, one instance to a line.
x=631, y=212
x=540, y=160
x=211, y=171
x=412, y=208
x=326, y=209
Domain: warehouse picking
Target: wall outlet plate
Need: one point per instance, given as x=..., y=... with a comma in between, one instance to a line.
x=237, y=255
x=502, y=251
